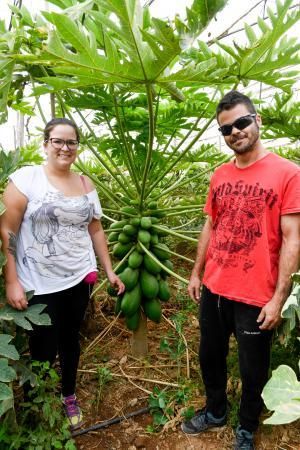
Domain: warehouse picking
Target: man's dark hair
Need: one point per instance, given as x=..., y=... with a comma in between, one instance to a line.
x=233, y=98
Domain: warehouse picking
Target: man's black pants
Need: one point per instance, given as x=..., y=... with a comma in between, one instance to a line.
x=219, y=318
x=66, y=310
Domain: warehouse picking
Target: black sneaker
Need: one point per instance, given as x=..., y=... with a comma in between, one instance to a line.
x=243, y=439
x=202, y=421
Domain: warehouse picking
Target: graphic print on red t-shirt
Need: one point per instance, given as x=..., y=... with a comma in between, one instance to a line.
x=246, y=206
x=238, y=222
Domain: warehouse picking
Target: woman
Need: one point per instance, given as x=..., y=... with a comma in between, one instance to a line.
x=50, y=231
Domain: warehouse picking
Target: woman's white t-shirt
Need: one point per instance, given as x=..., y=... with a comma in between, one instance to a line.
x=54, y=247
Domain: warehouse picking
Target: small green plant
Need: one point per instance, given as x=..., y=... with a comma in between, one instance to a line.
x=173, y=342
x=104, y=376
x=164, y=405
x=42, y=424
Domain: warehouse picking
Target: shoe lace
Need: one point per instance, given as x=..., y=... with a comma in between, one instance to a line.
x=71, y=406
x=243, y=440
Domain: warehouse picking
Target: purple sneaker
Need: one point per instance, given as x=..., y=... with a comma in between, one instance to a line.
x=73, y=412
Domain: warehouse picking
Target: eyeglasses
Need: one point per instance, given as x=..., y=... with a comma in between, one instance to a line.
x=240, y=124
x=60, y=143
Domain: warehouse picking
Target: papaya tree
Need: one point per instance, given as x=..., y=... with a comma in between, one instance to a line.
x=143, y=91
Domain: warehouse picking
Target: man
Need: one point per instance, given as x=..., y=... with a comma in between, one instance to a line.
x=249, y=246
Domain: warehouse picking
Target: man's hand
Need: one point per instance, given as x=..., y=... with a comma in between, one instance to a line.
x=194, y=287
x=116, y=282
x=16, y=296
x=270, y=315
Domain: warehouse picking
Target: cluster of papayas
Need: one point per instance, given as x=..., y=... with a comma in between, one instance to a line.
x=144, y=278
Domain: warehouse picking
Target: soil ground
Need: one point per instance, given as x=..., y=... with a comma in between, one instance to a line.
x=102, y=400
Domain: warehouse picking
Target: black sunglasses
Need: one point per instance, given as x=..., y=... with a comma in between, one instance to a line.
x=240, y=124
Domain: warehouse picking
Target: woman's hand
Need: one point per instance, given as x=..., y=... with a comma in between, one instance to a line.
x=116, y=282
x=16, y=296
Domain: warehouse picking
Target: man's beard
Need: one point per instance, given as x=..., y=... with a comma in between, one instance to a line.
x=247, y=147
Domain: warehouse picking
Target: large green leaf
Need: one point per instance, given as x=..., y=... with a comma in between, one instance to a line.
x=7, y=373
x=6, y=398
x=282, y=395
x=5, y=392
x=6, y=349
x=24, y=372
x=269, y=57
x=23, y=318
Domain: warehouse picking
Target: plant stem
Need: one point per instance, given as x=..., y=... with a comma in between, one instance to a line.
x=189, y=146
x=194, y=177
x=162, y=265
x=130, y=164
x=173, y=233
x=150, y=143
x=181, y=256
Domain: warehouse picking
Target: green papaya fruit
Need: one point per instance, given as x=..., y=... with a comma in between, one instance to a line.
x=161, y=251
x=118, y=305
x=152, y=205
x=135, y=221
x=146, y=223
x=118, y=225
x=144, y=236
x=154, y=240
x=113, y=236
x=149, y=284
x=133, y=321
x=124, y=238
x=128, y=210
x=130, y=230
x=152, y=310
x=135, y=259
x=121, y=268
x=169, y=265
x=151, y=265
x=139, y=248
x=164, y=292
x=129, y=277
x=120, y=250
x=112, y=291
x=131, y=301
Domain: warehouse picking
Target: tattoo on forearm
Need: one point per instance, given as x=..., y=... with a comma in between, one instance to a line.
x=12, y=244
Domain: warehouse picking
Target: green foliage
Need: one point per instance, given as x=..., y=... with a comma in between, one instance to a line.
x=291, y=309
x=104, y=376
x=164, y=405
x=282, y=118
x=268, y=57
x=42, y=424
x=282, y=395
x=282, y=392
x=12, y=321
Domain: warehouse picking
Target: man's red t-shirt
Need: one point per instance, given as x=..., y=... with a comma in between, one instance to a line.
x=246, y=206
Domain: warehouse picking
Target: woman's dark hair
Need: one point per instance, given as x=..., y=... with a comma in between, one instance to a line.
x=233, y=98
x=59, y=121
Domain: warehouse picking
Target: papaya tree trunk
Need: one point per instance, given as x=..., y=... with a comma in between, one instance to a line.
x=139, y=339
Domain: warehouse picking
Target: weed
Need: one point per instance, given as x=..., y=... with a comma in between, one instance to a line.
x=42, y=424
x=164, y=405
x=104, y=376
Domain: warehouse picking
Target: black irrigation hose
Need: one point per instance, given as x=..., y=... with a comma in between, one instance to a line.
x=109, y=422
